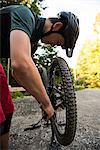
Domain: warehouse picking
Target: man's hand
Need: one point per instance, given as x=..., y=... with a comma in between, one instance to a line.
x=47, y=113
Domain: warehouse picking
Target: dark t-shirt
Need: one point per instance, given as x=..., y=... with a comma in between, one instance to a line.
x=22, y=18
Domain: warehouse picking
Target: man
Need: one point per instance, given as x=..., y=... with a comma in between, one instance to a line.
x=21, y=29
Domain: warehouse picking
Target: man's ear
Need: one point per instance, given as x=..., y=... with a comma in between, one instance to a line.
x=57, y=26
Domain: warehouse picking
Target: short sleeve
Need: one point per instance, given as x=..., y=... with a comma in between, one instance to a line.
x=23, y=19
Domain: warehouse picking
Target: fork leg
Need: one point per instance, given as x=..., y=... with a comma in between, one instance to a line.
x=52, y=137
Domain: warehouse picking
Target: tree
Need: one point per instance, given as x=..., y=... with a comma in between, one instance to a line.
x=4, y=3
x=88, y=65
x=96, y=25
x=34, y=5
x=47, y=55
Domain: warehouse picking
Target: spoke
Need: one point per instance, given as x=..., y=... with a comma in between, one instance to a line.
x=57, y=90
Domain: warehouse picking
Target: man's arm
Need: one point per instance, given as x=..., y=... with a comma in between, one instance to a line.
x=25, y=71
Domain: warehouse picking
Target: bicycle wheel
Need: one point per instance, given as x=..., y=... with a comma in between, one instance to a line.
x=62, y=95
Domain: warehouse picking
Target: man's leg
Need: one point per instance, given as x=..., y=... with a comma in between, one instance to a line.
x=4, y=141
x=4, y=132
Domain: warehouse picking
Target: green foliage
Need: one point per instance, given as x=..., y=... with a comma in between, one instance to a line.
x=88, y=65
x=79, y=87
x=18, y=94
x=4, y=3
x=47, y=55
x=34, y=5
x=15, y=95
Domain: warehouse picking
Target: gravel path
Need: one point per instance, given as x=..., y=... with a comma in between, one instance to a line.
x=88, y=127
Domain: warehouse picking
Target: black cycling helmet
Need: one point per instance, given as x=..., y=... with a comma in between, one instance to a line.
x=70, y=32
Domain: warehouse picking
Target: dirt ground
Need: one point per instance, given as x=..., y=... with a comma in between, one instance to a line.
x=88, y=127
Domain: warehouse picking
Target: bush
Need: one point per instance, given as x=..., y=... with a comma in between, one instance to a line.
x=19, y=94
x=80, y=81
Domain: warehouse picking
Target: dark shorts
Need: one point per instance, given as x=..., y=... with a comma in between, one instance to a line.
x=6, y=103
x=5, y=126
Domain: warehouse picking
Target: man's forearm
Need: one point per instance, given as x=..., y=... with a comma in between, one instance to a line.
x=30, y=79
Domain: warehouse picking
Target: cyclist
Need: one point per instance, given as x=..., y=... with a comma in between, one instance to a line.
x=21, y=29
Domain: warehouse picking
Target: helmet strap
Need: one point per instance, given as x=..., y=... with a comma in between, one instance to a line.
x=50, y=31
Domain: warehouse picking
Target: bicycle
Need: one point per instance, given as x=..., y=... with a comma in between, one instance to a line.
x=59, y=85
